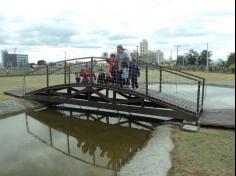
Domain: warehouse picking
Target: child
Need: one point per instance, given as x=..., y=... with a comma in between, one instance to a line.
x=83, y=77
x=91, y=77
x=134, y=73
x=112, y=61
x=77, y=78
x=124, y=74
x=108, y=79
x=101, y=77
x=115, y=74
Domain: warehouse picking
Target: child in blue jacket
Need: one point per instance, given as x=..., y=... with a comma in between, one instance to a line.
x=134, y=73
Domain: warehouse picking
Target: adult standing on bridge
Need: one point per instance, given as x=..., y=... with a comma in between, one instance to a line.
x=123, y=55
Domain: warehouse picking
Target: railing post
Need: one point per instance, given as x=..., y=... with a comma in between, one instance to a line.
x=146, y=75
x=50, y=134
x=198, y=96
x=24, y=91
x=203, y=90
x=160, y=79
x=65, y=72
x=91, y=71
x=69, y=74
x=47, y=76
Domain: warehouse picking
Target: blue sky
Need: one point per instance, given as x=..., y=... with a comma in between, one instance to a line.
x=45, y=29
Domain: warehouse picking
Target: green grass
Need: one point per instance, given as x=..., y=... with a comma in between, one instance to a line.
x=14, y=71
x=210, y=152
x=39, y=81
x=215, y=76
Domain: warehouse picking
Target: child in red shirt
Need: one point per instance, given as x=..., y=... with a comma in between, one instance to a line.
x=112, y=62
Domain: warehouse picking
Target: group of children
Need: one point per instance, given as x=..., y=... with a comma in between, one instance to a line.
x=84, y=77
x=120, y=74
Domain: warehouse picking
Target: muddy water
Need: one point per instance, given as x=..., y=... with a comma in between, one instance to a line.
x=55, y=142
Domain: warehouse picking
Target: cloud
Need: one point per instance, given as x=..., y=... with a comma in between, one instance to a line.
x=121, y=37
x=181, y=32
x=97, y=26
x=46, y=35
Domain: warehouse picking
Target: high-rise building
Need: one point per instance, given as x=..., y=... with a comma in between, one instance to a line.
x=159, y=56
x=14, y=60
x=143, y=47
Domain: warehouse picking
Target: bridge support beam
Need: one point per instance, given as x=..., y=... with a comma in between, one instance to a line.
x=116, y=107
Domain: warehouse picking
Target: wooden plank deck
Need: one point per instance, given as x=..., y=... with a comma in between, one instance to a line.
x=18, y=92
x=172, y=100
x=218, y=118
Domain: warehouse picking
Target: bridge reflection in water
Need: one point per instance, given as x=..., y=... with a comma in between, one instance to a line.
x=97, y=140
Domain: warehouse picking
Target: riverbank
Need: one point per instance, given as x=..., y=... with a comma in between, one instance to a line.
x=154, y=159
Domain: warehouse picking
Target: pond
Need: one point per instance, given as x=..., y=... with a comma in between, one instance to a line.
x=69, y=142
x=214, y=97
x=58, y=142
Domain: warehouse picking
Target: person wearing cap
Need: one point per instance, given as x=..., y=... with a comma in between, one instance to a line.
x=122, y=54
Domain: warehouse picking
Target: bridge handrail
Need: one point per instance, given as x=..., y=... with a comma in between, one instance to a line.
x=177, y=72
x=62, y=61
x=185, y=74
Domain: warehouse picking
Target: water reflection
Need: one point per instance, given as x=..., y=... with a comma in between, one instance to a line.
x=97, y=140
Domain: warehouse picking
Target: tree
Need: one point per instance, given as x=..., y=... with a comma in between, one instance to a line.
x=41, y=62
x=191, y=57
x=231, y=62
x=231, y=59
x=203, y=57
x=180, y=60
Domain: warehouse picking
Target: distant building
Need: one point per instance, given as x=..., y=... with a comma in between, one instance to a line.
x=14, y=60
x=143, y=47
x=159, y=56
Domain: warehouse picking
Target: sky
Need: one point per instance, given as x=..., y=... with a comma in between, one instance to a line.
x=51, y=29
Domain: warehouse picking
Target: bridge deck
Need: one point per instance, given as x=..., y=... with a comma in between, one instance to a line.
x=175, y=101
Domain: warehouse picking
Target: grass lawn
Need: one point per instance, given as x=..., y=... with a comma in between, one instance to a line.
x=215, y=76
x=210, y=152
x=9, y=83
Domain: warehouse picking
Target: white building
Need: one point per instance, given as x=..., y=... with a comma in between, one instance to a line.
x=22, y=60
x=159, y=56
x=143, y=47
x=14, y=60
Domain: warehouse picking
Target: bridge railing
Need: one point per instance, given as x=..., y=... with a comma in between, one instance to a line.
x=151, y=80
x=173, y=83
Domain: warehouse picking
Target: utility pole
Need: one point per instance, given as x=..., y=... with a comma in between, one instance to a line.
x=207, y=64
x=171, y=56
x=177, y=48
x=65, y=55
x=207, y=56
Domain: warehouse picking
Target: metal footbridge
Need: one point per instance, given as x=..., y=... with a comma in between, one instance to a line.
x=162, y=91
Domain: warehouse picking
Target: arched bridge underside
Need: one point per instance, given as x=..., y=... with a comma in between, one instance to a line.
x=118, y=99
